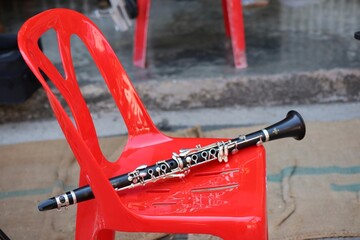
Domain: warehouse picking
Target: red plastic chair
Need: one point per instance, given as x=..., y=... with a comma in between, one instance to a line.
x=222, y=199
x=234, y=28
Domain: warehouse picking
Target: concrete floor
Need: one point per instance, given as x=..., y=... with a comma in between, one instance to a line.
x=111, y=124
x=304, y=51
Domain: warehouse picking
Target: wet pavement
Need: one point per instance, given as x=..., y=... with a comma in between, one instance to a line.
x=187, y=38
x=298, y=52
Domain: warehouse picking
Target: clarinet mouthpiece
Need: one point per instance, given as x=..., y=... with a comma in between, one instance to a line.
x=47, y=204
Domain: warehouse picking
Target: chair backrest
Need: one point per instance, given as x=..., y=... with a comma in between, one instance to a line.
x=227, y=200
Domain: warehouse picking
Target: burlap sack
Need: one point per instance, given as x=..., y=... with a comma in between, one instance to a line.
x=313, y=184
x=32, y=172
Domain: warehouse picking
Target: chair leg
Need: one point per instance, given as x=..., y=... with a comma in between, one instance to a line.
x=141, y=30
x=226, y=18
x=105, y=234
x=87, y=226
x=236, y=25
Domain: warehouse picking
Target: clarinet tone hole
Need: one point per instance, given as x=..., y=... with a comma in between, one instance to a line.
x=204, y=155
x=62, y=199
x=163, y=167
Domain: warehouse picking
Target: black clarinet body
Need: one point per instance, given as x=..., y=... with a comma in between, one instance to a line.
x=292, y=125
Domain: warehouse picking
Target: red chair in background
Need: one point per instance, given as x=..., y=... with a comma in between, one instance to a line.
x=223, y=199
x=234, y=28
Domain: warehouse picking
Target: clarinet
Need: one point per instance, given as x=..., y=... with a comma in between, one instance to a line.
x=178, y=166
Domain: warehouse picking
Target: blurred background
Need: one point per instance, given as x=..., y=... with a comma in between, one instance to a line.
x=301, y=54
x=298, y=53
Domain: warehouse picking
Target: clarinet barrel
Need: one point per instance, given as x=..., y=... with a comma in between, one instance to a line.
x=292, y=125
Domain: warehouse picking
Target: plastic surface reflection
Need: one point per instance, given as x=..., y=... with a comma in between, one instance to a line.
x=217, y=188
x=222, y=199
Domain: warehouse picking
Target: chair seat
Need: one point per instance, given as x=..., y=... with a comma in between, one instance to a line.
x=227, y=195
